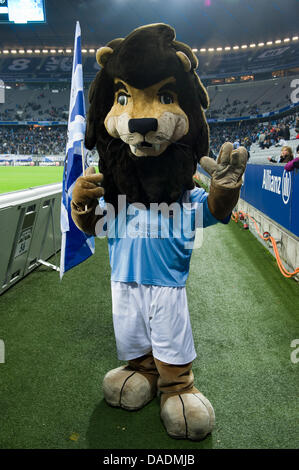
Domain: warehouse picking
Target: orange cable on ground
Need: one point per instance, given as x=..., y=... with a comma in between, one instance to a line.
x=235, y=218
x=283, y=270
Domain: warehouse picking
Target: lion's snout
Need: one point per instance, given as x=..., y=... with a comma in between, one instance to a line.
x=143, y=125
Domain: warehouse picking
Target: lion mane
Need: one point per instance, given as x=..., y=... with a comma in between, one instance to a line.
x=145, y=57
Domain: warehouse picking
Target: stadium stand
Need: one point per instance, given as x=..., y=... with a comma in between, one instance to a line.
x=220, y=64
x=249, y=98
x=36, y=102
x=40, y=140
x=249, y=61
x=32, y=140
x=248, y=133
x=50, y=101
x=47, y=103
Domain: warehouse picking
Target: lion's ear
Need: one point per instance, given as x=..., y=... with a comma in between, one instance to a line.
x=186, y=55
x=103, y=55
x=185, y=60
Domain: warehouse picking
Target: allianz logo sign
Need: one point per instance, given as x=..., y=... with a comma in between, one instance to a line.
x=277, y=184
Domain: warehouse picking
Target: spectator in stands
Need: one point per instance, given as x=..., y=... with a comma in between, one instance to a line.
x=236, y=144
x=281, y=132
x=267, y=142
x=286, y=155
x=247, y=143
x=293, y=163
x=287, y=132
x=262, y=139
x=281, y=143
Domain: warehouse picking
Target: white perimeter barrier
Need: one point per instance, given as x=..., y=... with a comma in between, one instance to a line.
x=29, y=231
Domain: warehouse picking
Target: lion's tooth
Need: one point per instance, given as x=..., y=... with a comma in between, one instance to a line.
x=133, y=148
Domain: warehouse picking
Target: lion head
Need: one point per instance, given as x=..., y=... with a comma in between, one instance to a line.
x=146, y=116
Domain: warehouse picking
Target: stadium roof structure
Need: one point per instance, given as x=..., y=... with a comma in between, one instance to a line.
x=200, y=23
x=237, y=63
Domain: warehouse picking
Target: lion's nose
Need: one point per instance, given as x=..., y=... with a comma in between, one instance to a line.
x=143, y=126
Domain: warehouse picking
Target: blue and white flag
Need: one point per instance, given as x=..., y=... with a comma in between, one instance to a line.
x=75, y=245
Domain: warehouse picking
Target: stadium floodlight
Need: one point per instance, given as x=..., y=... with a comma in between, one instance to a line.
x=236, y=47
x=278, y=41
x=244, y=46
x=37, y=51
x=13, y=51
x=68, y=50
x=53, y=51
x=84, y=51
x=219, y=49
x=195, y=50
x=91, y=50
x=211, y=49
x=227, y=48
x=29, y=51
x=295, y=38
x=60, y=51
x=252, y=45
x=203, y=49
x=286, y=40
x=45, y=51
x=21, y=51
x=269, y=43
x=5, y=51
x=260, y=44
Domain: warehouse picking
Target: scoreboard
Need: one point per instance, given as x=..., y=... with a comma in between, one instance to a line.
x=22, y=11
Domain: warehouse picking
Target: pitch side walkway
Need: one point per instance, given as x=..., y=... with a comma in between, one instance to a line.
x=59, y=345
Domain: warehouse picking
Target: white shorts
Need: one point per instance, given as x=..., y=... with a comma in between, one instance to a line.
x=152, y=318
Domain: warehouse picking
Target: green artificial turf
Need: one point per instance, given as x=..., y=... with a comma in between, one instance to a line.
x=59, y=345
x=13, y=178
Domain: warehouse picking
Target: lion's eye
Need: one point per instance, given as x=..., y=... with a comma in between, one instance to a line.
x=166, y=98
x=122, y=99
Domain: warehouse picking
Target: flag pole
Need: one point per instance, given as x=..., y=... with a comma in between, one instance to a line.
x=76, y=246
x=83, y=162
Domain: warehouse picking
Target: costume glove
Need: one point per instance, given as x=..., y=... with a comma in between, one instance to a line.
x=85, y=199
x=87, y=189
x=226, y=179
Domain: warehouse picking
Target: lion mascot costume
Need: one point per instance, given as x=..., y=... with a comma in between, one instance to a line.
x=147, y=122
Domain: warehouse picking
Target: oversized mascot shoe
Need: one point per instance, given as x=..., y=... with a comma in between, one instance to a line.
x=188, y=416
x=129, y=389
x=185, y=412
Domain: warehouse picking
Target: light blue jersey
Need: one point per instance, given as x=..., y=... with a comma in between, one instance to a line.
x=154, y=245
